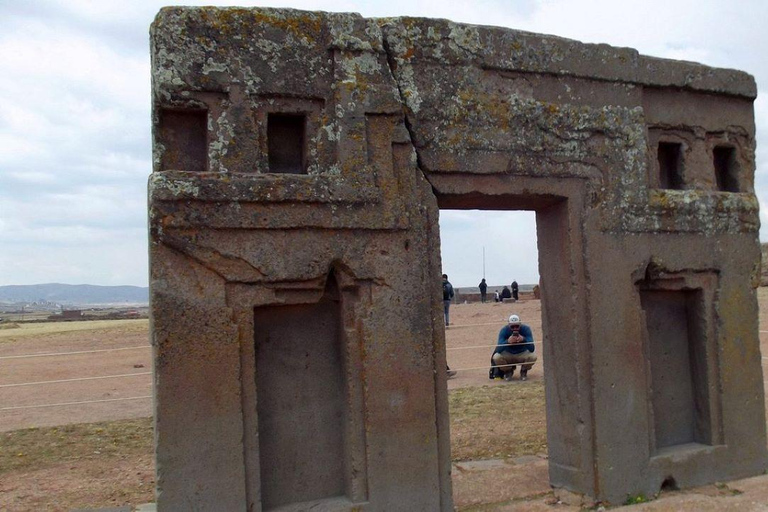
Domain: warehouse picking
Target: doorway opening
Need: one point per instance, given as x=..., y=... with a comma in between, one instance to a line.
x=563, y=355
x=498, y=426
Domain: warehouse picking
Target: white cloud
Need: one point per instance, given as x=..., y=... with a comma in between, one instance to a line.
x=114, y=261
x=509, y=239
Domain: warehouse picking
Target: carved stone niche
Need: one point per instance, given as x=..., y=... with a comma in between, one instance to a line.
x=669, y=151
x=184, y=136
x=184, y=126
x=288, y=134
x=302, y=386
x=682, y=361
x=728, y=163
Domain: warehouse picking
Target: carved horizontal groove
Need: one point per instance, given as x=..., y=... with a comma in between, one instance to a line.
x=258, y=188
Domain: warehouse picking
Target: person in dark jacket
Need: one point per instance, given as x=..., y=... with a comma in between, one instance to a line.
x=505, y=294
x=514, y=346
x=515, y=290
x=483, y=289
x=447, y=297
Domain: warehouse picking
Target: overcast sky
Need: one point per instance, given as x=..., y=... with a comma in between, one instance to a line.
x=75, y=121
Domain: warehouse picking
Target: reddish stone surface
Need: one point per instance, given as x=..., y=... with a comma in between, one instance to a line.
x=641, y=174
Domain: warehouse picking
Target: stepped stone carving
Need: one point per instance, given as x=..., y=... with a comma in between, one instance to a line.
x=300, y=161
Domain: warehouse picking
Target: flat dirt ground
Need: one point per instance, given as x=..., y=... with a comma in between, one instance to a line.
x=472, y=335
x=85, y=372
x=113, y=361
x=48, y=358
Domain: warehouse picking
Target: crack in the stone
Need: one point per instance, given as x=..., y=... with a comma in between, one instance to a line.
x=392, y=65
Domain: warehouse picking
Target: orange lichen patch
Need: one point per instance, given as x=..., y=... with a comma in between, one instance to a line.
x=359, y=84
x=232, y=21
x=362, y=83
x=660, y=198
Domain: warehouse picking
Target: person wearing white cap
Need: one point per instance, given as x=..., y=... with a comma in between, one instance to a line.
x=514, y=346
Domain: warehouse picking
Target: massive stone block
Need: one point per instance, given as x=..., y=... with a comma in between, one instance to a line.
x=300, y=160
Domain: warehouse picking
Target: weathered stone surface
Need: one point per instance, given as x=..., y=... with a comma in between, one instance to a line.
x=299, y=163
x=566, y=497
x=493, y=483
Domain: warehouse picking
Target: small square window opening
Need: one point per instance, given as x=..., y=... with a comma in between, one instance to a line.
x=670, y=155
x=286, y=143
x=726, y=168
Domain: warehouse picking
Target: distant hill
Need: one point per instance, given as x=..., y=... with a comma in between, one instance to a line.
x=74, y=294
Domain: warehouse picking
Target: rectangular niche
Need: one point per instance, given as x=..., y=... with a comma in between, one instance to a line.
x=726, y=168
x=670, y=157
x=183, y=134
x=286, y=134
x=682, y=361
x=301, y=402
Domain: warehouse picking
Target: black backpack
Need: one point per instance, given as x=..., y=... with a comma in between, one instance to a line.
x=447, y=289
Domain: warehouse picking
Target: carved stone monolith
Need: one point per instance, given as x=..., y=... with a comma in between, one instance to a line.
x=300, y=161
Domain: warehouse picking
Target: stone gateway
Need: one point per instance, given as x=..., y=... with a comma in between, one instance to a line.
x=300, y=161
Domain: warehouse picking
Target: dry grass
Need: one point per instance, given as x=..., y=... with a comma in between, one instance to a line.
x=32, y=316
x=41, y=447
x=48, y=328
x=498, y=422
x=93, y=465
x=487, y=422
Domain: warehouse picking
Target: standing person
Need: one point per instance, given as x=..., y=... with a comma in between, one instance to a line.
x=514, y=290
x=514, y=346
x=483, y=288
x=497, y=297
x=447, y=296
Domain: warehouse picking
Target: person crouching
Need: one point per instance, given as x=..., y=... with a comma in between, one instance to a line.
x=514, y=346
